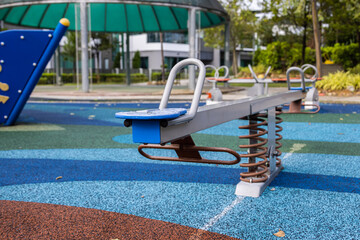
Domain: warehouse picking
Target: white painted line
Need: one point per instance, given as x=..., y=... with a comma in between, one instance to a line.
x=215, y=219
x=296, y=147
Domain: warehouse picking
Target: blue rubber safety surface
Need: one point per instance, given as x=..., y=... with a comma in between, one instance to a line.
x=316, y=196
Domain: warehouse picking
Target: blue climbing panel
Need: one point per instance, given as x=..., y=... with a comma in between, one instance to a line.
x=24, y=55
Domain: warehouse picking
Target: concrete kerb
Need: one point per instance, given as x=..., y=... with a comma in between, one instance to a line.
x=143, y=93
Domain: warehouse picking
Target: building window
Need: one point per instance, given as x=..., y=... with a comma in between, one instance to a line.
x=144, y=62
x=106, y=62
x=168, y=37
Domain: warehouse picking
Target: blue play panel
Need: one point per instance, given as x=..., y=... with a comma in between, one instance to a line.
x=81, y=155
x=24, y=55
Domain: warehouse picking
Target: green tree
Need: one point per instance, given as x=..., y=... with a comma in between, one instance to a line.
x=117, y=60
x=100, y=41
x=242, y=29
x=291, y=17
x=136, y=61
x=69, y=51
x=343, y=20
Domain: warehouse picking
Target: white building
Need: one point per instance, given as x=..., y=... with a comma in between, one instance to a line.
x=175, y=48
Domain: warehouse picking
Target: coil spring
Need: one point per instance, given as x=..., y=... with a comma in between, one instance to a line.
x=256, y=149
x=278, y=135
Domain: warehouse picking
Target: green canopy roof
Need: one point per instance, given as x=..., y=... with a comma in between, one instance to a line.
x=113, y=15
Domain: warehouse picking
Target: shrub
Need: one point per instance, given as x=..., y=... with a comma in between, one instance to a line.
x=282, y=55
x=258, y=69
x=157, y=76
x=356, y=69
x=136, y=61
x=339, y=81
x=48, y=78
x=346, y=55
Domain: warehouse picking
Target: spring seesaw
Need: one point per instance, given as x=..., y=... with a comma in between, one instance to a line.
x=260, y=87
x=171, y=128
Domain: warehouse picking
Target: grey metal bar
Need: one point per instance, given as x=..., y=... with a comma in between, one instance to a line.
x=271, y=137
x=301, y=74
x=268, y=80
x=212, y=115
x=84, y=47
x=192, y=42
x=128, y=76
x=197, y=93
x=227, y=44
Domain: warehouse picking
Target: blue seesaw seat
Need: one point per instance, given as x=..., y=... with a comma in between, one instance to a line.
x=146, y=123
x=152, y=114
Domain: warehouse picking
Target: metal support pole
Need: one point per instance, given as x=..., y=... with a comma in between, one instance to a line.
x=128, y=78
x=272, y=138
x=84, y=47
x=57, y=67
x=122, y=52
x=227, y=45
x=192, y=53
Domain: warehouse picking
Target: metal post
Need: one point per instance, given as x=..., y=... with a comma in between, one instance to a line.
x=272, y=138
x=227, y=45
x=84, y=47
x=77, y=47
x=57, y=67
x=128, y=78
x=192, y=53
x=122, y=52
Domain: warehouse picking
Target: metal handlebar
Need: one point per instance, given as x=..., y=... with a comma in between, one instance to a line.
x=217, y=73
x=197, y=93
x=254, y=74
x=301, y=74
x=307, y=66
x=226, y=74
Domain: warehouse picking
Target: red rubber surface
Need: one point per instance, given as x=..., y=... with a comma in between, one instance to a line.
x=28, y=220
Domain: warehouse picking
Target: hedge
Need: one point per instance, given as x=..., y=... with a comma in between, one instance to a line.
x=49, y=78
x=339, y=81
x=282, y=55
x=346, y=55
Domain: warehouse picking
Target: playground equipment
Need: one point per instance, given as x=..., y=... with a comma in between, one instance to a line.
x=156, y=128
x=24, y=55
x=260, y=87
x=215, y=94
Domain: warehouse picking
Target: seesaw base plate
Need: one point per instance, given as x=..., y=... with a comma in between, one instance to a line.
x=255, y=189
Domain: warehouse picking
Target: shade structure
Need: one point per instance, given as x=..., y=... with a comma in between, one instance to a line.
x=129, y=16
x=114, y=15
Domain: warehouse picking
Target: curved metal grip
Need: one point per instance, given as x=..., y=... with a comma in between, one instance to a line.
x=198, y=89
x=267, y=72
x=226, y=73
x=301, y=74
x=307, y=66
x=216, y=74
x=253, y=74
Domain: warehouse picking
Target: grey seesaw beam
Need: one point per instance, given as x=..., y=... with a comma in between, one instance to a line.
x=212, y=115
